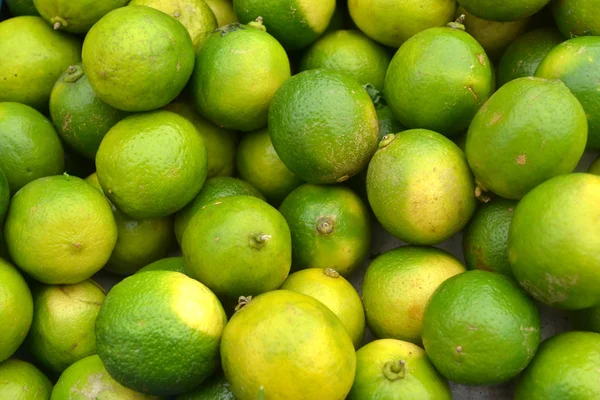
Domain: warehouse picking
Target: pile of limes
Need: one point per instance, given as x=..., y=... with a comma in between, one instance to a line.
x=195, y=196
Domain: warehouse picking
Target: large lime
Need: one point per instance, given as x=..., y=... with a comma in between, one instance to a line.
x=576, y=17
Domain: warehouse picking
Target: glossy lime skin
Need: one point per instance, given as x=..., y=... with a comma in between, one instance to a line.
x=576, y=17
x=20, y=380
x=504, y=11
x=75, y=17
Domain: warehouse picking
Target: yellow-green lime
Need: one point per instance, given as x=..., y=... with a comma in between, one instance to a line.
x=504, y=11
x=137, y=58
x=393, y=369
x=35, y=56
x=214, y=388
x=174, y=264
x=158, y=332
x=291, y=345
x=576, y=17
x=75, y=17
x=331, y=289
x=4, y=195
x=60, y=230
x=595, y=167
x=587, y=319
x=223, y=10
x=20, y=380
x=17, y=307
x=62, y=331
x=21, y=7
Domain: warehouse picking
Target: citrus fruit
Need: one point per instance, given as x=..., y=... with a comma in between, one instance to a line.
x=479, y=328
x=151, y=165
x=238, y=246
x=587, y=319
x=393, y=369
x=17, y=307
x=561, y=267
x=525, y=54
x=237, y=73
x=137, y=58
x=21, y=7
x=330, y=227
x=294, y=23
x=75, y=17
x=174, y=264
x=214, y=388
x=485, y=239
x=158, y=332
x=576, y=17
x=438, y=80
x=23, y=381
x=575, y=62
x=195, y=15
x=391, y=22
x=504, y=11
x=595, y=167
x=350, y=52
x=577, y=355
x=4, y=195
x=323, y=126
x=397, y=286
x=62, y=331
x=35, y=56
x=88, y=379
x=291, y=345
x=420, y=187
x=220, y=143
x=213, y=189
x=223, y=10
x=530, y=130
x=331, y=289
x=80, y=117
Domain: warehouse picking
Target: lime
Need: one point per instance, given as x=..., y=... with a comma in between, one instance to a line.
x=294, y=23
x=238, y=246
x=391, y=22
x=479, y=328
x=577, y=354
x=330, y=227
x=195, y=15
x=75, y=17
x=420, y=187
x=562, y=266
x=289, y=344
x=80, y=117
x=575, y=62
x=88, y=379
x=137, y=58
x=35, y=56
x=595, y=167
x=174, y=264
x=237, y=73
x=530, y=130
x=23, y=381
x=525, y=54
x=214, y=388
x=223, y=10
x=62, y=331
x=485, y=239
x=576, y=17
x=4, y=195
x=438, y=80
x=393, y=369
x=151, y=165
x=21, y=7
x=323, y=126
x=17, y=307
x=158, y=332
x=509, y=10
x=331, y=289
x=213, y=189
x=587, y=319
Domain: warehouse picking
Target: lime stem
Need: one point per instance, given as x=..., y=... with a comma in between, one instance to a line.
x=332, y=273
x=459, y=23
x=243, y=301
x=386, y=140
x=394, y=370
x=258, y=24
x=325, y=225
x=259, y=240
x=74, y=72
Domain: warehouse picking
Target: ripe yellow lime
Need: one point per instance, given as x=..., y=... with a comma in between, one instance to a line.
x=20, y=380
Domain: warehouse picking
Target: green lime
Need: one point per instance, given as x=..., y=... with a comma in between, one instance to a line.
x=575, y=62
x=393, y=369
x=438, y=80
x=20, y=380
x=237, y=73
x=4, y=195
x=238, y=246
x=21, y=7
x=392, y=22
x=289, y=344
x=479, y=328
x=88, y=379
x=587, y=319
x=420, y=187
x=530, y=130
x=137, y=58
x=595, y=167
x=485, y=239
x=17, y=307
x=560, y=266
x=294, y=23
x=576, y=17
x=331, y=289
x=504, y=11
x=174, y=264
x=62, y=331
x=214, y=388
x=330, y=227
x=35, y=56
x=75, y=17
x=158, y=332
x=323, y=126
x=565, y=367
x=151, y=165
x=223, y=10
